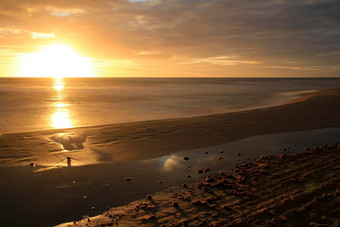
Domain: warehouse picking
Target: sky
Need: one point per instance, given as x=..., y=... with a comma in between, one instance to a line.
x=179, y=38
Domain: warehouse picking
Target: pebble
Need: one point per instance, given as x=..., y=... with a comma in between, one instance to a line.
x=149, y=197
x=219, y=158
x=175, y=204
x=159, y=181
x=186, y=158
x=93, y=208
x=238, y=154
x=128, y=178
x=200, y=171
x=189, y=176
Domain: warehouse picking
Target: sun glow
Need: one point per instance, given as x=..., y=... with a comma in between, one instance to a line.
x=56, y=60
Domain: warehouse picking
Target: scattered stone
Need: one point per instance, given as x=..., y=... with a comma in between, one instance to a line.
x=209, y=179
x=175, y=204
x=149, y=197
x=147, y=218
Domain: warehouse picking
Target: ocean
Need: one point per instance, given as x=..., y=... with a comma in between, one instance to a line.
x=33, y=104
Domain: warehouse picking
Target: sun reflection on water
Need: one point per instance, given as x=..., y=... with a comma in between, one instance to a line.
x=61, y=117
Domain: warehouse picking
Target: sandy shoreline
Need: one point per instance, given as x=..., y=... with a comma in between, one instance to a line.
x=151, y=139
x=97, y=152
x=275, y=190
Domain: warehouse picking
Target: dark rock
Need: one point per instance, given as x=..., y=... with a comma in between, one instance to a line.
x=175, y=204
x=128, y=178
x=149, y=197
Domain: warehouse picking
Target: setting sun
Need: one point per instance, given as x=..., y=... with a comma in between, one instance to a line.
x=56, y=60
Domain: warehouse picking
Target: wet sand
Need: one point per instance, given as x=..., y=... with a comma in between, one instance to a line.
x=104, y=147
x=152, y=139
x=275, y=190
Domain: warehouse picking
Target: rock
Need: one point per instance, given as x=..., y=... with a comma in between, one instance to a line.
x=200, y=171
x=175, y=204
x=221, y=152
x=238, y=154
x=209, y=179
x=93, y=208
x=186, y=158
x=206, y=152
x=149, y=197
x=128, y=178
x=159, y=182
x=148, y=218
x=206, y=170
x=219, y=158
x=189, y=176
x=184, y=185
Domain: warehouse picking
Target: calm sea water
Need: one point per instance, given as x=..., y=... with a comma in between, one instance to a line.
x=30, y=104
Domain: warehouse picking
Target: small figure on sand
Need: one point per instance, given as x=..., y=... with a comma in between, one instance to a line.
x=68, y=161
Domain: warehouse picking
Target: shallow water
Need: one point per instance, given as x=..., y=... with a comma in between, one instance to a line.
x=66, y=194
x=31, y=104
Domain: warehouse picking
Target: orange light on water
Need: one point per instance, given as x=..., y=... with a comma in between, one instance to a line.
x=61, y=119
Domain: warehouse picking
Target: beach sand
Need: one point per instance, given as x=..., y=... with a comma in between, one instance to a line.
x=152, y=139
x=275, y=190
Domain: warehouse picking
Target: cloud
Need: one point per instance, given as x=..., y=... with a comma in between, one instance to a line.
x=36, y=35
x=204, y=34
x=220, y=60
x=305, y=68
